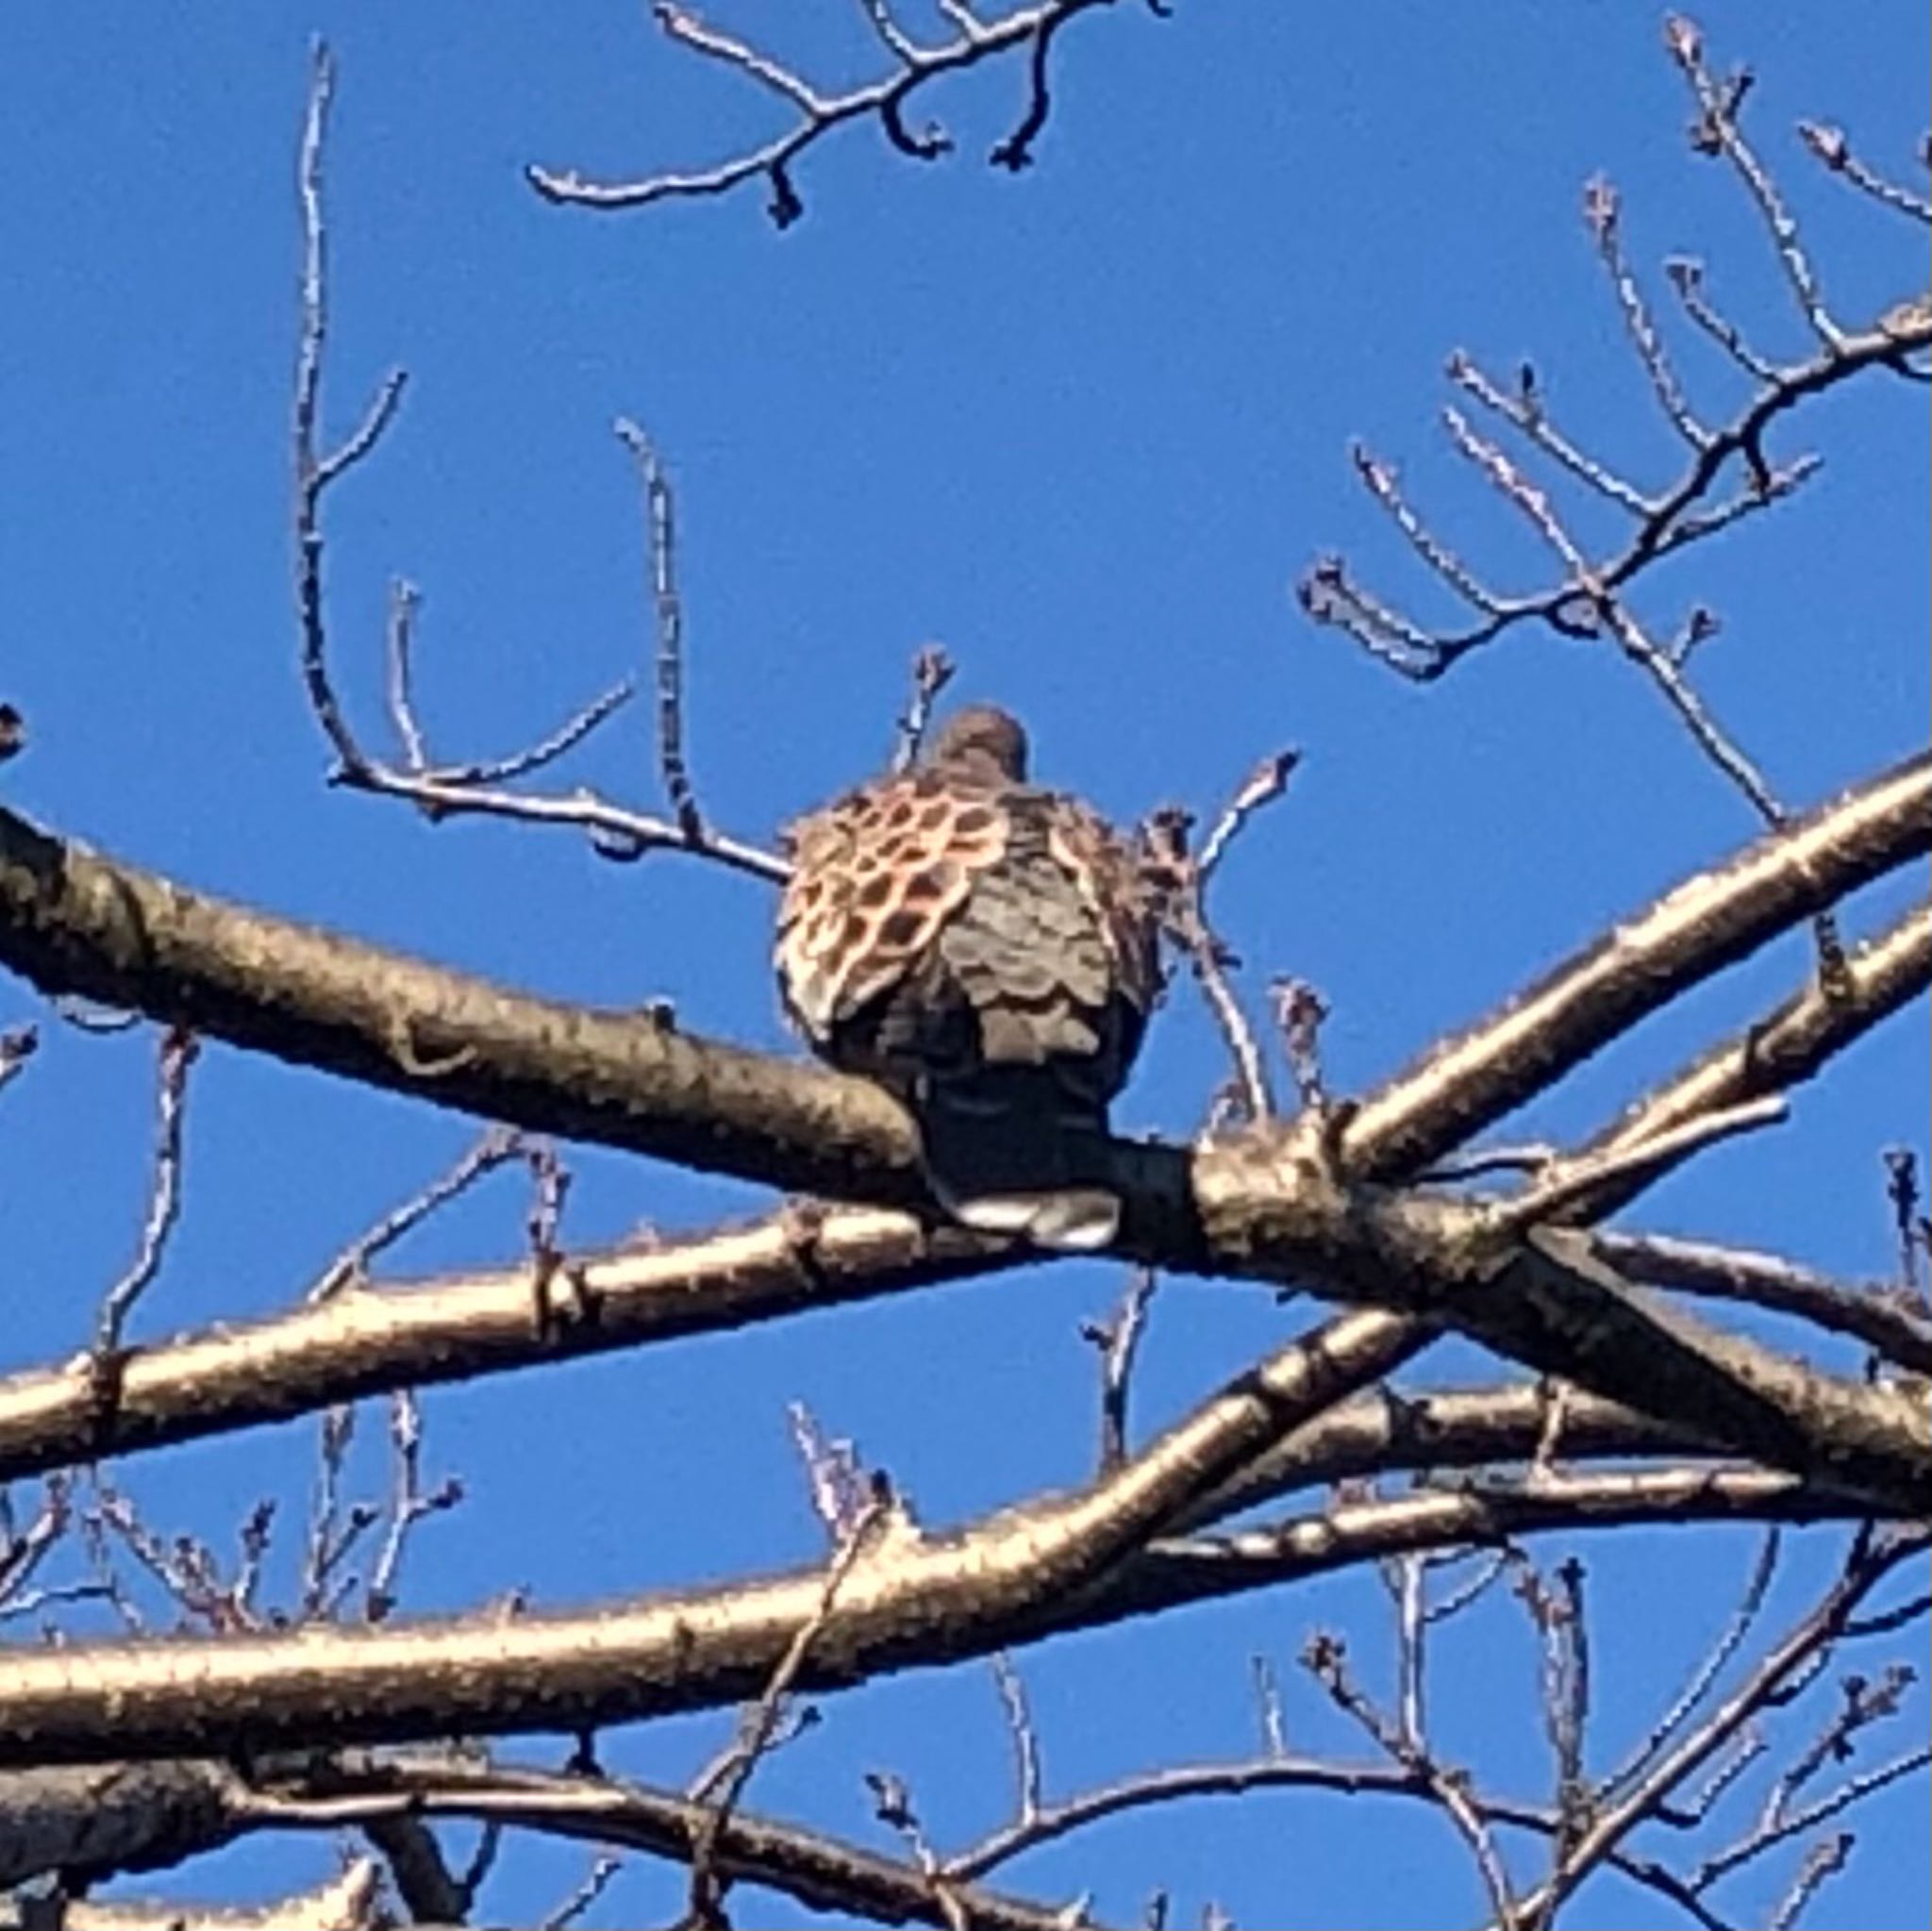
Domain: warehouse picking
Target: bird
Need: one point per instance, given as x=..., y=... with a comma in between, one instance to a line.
x=989, y=951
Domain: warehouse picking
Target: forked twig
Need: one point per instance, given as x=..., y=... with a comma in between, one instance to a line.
x=442, y=790
x=1032, y=27
x=1117, y=1341
x=1716, y=131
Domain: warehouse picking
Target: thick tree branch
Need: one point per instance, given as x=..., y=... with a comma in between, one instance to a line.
x=76, y=922
x=817, y=1870
x=1784, y=1049
x=1547, y=1299
x=1872, y=1312
x=1262, y=1203
x=367, y=1341
x=350, y=1901
x=928, y=1604
x=1471, y=1079
x=94, y=1819
x=53, y=1821
x=73, y=921
x=1391, y=1430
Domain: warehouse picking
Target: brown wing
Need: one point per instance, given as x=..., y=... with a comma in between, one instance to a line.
x=875, y=878
x=1113, y=884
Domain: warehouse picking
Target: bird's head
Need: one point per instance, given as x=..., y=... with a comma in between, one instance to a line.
x=981, y=741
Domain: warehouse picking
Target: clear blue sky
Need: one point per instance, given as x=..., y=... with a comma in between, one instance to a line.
x=1085, y=427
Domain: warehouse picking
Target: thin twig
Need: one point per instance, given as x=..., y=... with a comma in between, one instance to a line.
x=1379, y=479
x=1853, y=1790
x=1611, y=612
x=332, y=1532
x=1914, y=1231
x=1117, y=1341
x=315, y=472
x=596, y=1880
x=661, y=533
x=1821, y=1862
x=932, y=671
x=1325, y=1659
x=1829, y=144
x=1032, y=27
x=405, y=600
x=1262, y=786
x=1774, y=1679
x=1557, y=1614
x=408, y=1505
x=1268, y=1709
x=1717, y=131
x=1299, y=1010
x=177, y=1054
x=1184, y=917
x=841, y=1489
x=1686, y=276
x=1602, y=216
x=722, y=1783
x=1684, y=1705
x=474, y=788
x=1524, y=408
x=21, y=1553
x=350, y=1268
x=1024, y=1739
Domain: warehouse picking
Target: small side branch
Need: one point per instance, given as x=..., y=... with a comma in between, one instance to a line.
x=1729, y=475
x=443, y=789
x=1716, y=131
x=660, y=541
x=1834, y=150
x=932, y=671
x=1032, y=27
x=177, y=1054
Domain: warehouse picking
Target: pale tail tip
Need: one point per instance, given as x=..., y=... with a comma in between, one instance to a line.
x=1076, y=1221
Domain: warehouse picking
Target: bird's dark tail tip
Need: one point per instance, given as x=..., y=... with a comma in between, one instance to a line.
x=1010, y=1152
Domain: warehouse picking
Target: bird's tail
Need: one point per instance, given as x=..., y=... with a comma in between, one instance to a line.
x=1008, y=1150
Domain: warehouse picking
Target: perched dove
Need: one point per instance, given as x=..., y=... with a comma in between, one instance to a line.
x=988, y=950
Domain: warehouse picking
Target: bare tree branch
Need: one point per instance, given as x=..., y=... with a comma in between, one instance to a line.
x=1470, y=1080
x=911, y=1598
x=177, y=1053
x=1032, y=27
x=442, y=790
x=1870, y=1312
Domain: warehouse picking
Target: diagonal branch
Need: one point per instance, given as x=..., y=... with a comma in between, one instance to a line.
x=1471, y=1079
x=906, y=1599
x=1023, y=1576
x=73, y=921
x=1871, y=1312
